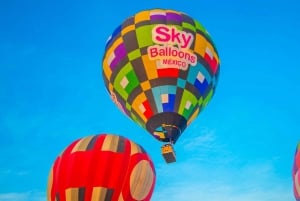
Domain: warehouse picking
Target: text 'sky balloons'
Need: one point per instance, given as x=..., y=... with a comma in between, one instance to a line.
x=296, y=173
x=102, y=167
x=161, y=68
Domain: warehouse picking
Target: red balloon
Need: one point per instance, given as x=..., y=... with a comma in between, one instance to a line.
x=296, y=173
x=102, y=167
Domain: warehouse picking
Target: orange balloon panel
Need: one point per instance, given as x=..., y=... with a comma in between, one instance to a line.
x=102, y=167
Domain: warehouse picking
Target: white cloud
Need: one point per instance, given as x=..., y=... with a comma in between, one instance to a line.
x=201, y=144
x=193, y=182
x=203, y=137
x=23, y=196
x=207, y=191
x=11, y=172
x=212, y=172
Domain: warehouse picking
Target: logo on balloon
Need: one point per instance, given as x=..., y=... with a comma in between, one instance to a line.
x=172, y=47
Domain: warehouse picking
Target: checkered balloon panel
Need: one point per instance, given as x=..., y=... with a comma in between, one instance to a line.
x=161, y=69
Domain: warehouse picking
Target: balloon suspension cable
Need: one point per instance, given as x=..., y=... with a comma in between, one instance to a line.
x=168, y=150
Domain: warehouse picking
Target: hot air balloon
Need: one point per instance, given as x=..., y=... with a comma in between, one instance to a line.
x=161, y=69
x=102, y=167
x=296, y=173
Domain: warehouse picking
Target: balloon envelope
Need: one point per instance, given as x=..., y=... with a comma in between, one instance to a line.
x=103, y=167
x=296, y=173
x=161, y=69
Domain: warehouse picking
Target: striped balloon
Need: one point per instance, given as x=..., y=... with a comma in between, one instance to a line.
x=296, y=173
x=102, y=167
x=161, y=69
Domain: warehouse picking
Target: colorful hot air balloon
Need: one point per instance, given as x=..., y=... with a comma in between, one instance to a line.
x=296, y=173
x=161, y=68
x=102, y=167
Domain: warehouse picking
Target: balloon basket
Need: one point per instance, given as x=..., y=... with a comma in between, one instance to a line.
x=168, y=153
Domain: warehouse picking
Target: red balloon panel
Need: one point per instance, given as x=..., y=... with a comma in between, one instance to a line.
x=102, y=167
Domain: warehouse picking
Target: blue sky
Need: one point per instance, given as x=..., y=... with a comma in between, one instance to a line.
x=240, y=148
